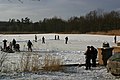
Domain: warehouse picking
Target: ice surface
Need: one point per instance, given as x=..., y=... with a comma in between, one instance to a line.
x=71, y=53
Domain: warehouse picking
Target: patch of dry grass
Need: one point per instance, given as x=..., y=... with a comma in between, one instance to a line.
x=52, y=63
x=111, y=32
x=3, y=57
x=33, y=62
x=30, y=62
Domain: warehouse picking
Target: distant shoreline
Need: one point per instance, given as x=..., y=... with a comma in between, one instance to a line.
x=112, y=32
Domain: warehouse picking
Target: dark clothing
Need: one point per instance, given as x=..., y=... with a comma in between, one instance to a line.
x=106, y=54
x=66, y=40
x=115, y=38
x=5, y=43
x=43, y=40
x=55, y=37
x=94, y=56
x=88, y=58
x=14, y=43
x=17, y=47
x=29, y=44
x=35, y=38
x=58, y=37
x=88, y=63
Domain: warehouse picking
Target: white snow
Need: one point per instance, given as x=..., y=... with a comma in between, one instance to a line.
x=71, y=53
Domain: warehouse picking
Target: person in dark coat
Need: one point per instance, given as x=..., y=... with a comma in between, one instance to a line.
x=17, y=47
x=88, y=58
x=14, y=43
x=55, y=37
x=115, y=39
x=35, y=38
x=94, y=56
x=29, y=44
x=43, y=40
x=58, y=37
x=5, y=43
x=66, y=40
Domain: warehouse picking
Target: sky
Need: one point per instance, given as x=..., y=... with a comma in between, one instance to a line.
x=38, y=10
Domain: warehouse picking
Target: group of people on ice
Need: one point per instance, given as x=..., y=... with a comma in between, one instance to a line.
x=91, y=56
x=11, y=47
x=29, y=44
x=56, y=38
x=16, y=47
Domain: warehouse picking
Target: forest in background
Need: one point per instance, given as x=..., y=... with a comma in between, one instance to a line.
x=94, y=21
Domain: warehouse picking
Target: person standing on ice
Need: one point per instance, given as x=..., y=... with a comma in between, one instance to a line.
x=55, y=37
x=66, y=40
x=35, y=38
x=115, y=38
x=5, y=43
x=29, y=44
x=88, y=56
x=43, y=40
x=58, y=37
x=14, y=43
x=94, y=56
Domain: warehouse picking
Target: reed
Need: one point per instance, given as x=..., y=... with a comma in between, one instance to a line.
x=52, y=63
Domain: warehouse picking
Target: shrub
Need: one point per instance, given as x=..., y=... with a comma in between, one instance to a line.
x=3, y=57
x=30, y=62
x=52, y=63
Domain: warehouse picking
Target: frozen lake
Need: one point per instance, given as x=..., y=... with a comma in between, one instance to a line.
x=76, y=42
x=73, y=52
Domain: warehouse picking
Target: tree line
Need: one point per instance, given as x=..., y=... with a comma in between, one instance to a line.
x=96, y=20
